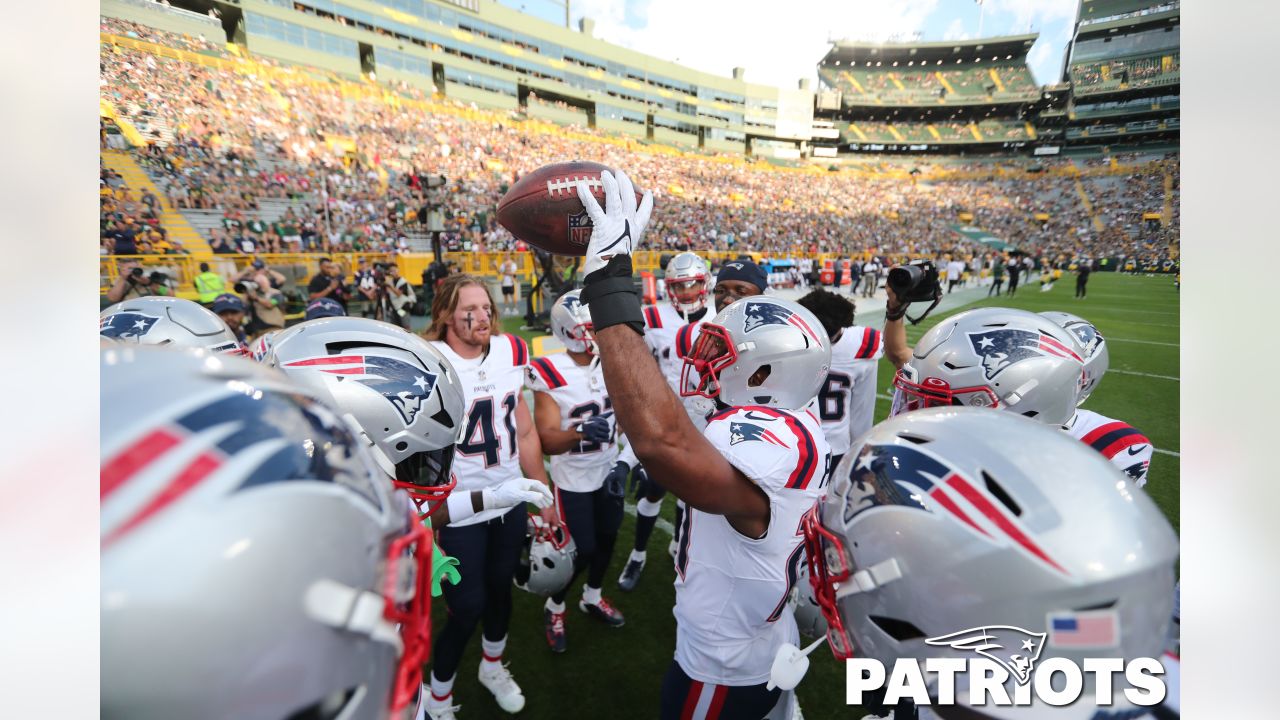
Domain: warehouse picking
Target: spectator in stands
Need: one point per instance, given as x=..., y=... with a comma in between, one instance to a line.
x=221, y=244
x=328, y=283
x=132, y=282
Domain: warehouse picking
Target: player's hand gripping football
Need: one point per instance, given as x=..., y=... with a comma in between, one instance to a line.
x=617, y=228
x=510, y=493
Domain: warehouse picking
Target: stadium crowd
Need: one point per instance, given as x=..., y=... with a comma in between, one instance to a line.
x=359, y=161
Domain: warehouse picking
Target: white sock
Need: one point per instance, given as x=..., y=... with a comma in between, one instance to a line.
x=648, y=508
x=441, y=695
x=491, y=657
x=590, y=595
x=638, y=555
x=555, y=607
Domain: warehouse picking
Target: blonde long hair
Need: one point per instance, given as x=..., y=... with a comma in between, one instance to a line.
x=446, y=302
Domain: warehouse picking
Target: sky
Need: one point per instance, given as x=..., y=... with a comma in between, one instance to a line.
x=778, y=47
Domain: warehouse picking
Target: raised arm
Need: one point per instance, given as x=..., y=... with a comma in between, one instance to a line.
x=546, y=417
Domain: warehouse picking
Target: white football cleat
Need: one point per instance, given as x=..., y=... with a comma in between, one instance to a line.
x=504, y=688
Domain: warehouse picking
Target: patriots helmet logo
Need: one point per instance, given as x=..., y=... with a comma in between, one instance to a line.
x=127, y=325
x=404, y=385
x=1001, y=348
x=571, y=304
x=1013, y=648
x=1088, y=336
x=760, y=314
x=748, y=432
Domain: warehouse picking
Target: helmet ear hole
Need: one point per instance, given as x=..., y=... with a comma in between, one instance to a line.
x=759, y=376
x=1001, y=494
x=899, y=630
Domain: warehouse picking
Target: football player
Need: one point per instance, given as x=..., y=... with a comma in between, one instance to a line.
x=952, y=496
x=573, y=415
x=847, y=400
x=670, y=332
x=748, y=479
x=215, y=473
x=1122, y=444
x=1020, y=361
x=498, y=443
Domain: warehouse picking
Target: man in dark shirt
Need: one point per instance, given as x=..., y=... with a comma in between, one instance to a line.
x=1082, y=276
x=1015, y=268
x=328, y=283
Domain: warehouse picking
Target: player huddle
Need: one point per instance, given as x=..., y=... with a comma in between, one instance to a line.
x=403, y=464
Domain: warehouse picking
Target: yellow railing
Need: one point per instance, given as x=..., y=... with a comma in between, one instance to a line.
x=182, y=269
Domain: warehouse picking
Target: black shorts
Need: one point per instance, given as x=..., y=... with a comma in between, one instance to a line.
x=508, y=289
x=684, y=698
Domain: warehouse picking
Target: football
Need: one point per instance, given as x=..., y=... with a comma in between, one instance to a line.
x=543, y=208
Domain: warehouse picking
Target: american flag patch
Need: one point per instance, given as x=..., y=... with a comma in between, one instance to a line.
x=1092, y=629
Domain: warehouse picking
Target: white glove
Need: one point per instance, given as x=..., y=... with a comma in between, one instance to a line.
x=510, y=493
x=616, y=229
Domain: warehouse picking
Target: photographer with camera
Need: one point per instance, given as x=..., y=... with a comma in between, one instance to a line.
x=263, y=303
x=134, y=282
x=915, y=282
x=328, y=283
x=395, y=296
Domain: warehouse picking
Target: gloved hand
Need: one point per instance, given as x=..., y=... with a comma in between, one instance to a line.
x=618, y=227
x=595, y=429
x=510, y=493
x=615, y=483
x=640, y=482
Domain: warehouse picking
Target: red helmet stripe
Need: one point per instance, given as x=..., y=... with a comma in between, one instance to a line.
x=196, y=471
x=135, y=457
x=992, y=513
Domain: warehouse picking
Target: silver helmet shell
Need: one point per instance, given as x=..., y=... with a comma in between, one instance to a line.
x=779, y=337
x=158, y=320
x=401, y=392
x=546, y=563
x=809, y=618
x=687, y=267
x=1097, y=358
x=994, y=357
x=571, y=323
x=216, y=473
x=949, y=519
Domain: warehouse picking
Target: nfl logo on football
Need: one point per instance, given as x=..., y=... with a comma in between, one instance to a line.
x=1006, y=668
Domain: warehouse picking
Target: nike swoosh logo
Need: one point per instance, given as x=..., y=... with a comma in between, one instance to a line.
x=626, y=235
x=1134, y=450
x=751, y=415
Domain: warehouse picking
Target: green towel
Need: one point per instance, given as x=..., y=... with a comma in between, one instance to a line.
x=443, y=567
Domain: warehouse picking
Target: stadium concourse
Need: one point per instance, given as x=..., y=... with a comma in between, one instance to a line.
x=222, y=169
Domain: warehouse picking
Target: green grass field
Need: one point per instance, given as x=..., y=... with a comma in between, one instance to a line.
x=617, y=673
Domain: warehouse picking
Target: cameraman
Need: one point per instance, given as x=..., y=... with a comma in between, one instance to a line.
x=399, y=295
x=133, y=282
x=263, y=303
x=328, y=283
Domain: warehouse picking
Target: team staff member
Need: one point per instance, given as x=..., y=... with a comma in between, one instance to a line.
x=499, y=442
x=759, y=466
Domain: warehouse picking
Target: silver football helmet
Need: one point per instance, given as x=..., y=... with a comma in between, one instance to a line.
x=759, y=351
x=994, y=357
x=571, y=323
x=217, y=475
x=262, y=346
x=687, y=274
x=954, y=519
x=809, y=617
x=399, y=390
x=1096, y=356
x=159, y=320
x=546, y=563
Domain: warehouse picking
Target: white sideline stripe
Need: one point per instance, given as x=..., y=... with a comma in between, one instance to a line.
x=662, y=523
x=1170, y=453
x=1150, y=375
x=1144, y=342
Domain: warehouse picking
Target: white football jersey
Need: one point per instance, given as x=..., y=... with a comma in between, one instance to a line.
x=488, y=453
x=670, y=339
x=1122, y=444
x=580, y=393
x=732, y=612
x=847, y=400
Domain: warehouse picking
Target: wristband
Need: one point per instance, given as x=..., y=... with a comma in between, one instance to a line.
x=898, y=314
x=610, y=294
x=460, y=507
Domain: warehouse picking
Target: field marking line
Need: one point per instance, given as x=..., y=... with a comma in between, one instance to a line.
x=1150, y=375
x=1143, y=342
